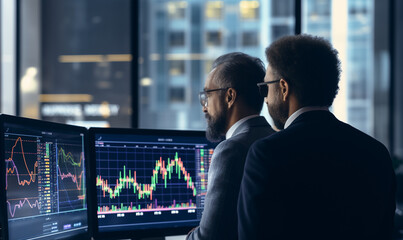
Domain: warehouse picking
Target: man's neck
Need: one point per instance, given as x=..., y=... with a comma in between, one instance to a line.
x=235, y=126
x=236, y=116
x=293, y=105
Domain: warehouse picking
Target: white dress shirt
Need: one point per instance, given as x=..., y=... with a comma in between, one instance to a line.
x=301, y=111
x=232, y=129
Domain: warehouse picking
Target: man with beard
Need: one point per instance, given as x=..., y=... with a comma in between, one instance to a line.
x=232, y=104
x=319, y=178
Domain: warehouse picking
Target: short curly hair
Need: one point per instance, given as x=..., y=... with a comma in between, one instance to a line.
x=309, y=64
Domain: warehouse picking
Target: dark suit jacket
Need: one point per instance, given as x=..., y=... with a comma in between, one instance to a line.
x=317, y=179
x=219, y=220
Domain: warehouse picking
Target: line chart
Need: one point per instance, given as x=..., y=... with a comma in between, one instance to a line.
x=70, y=169
x=22, y=176
x=32, y=170
x=13, y=170
x=20, y=204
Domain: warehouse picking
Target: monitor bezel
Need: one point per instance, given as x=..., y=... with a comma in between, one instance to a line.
x=137, y=234
x=52, y=126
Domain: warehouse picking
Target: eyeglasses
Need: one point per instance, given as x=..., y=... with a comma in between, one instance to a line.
x=203, y=95
x=264, y=87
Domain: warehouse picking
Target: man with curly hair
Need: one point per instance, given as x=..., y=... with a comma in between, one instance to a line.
x=319, y=178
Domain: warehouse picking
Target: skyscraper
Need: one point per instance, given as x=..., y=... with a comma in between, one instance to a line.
x=179, y=40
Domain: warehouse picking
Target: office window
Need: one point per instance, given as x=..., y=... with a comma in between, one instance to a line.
x=357, y=89
x=281, y=30
x=177, y=94
x=177, y=67
x=75, y=61
x=177, y=10
x=358, y=7
x=75, y=55
x=350, y=26
x=213, y=38
x=249, y=10
x=171, y=77
x=316, y=17
x=177, y=39
x=214, y=9
x=207, y=66
x=250, y=39
x=317, y=8
x=282, y=8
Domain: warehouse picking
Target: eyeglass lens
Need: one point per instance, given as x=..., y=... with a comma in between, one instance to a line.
x=203, y=99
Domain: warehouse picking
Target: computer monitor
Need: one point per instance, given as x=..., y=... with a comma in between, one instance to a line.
x=43, y=190
x=149, y=183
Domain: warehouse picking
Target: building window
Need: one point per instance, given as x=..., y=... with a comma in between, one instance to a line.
x=352, y=34
x=249, y=10
x=176, y=67
x=280, y=30
x=177, y=55
x=208, y=65
x=357, y=89
x=282, y=8
x=176, y=10
x=177, y=94
x=214, y=9
x=250, y=39
x=177, y=39
x=213, y=38
x=317, y=8
x=80, y=77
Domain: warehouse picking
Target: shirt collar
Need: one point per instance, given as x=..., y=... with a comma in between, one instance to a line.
x=232, y=129
x=301, y=111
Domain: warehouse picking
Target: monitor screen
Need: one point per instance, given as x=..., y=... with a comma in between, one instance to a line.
x=149, y=182
x=44, y=167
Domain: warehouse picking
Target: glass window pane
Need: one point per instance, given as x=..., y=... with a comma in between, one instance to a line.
x=250, y=39
x=282, y=8
x=350, y=26
x=177, y=67
x=317, y=17
x=176, y=53
x=279, y=31
x=177, y=39
x=214, y=9
x=176, y=10
x=75, y=61
x=177, y=94
x=249, y=9
x=213, y=38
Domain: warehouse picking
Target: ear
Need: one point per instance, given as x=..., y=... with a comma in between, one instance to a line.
x=230, y=97
x=284, y=90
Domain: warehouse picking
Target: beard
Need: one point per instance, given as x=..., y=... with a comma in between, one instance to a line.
x=216, y=126
x=278, y=111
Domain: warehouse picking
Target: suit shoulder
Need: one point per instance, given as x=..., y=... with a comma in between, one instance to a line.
x=362, y=138
x=272, y=139
x=251, y=135
x=230, y=146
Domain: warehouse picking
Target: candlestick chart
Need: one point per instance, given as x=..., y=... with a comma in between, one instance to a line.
x=146, y=179
x=150, y=179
